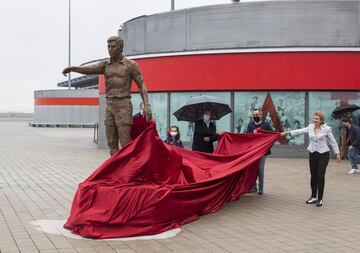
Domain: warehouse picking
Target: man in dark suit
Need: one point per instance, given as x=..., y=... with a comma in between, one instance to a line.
x=253, y=125
x=204, y=134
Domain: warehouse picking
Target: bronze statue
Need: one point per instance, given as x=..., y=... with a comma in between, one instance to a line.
x=119, y=72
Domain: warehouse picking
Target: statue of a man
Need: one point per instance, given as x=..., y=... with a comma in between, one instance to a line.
x=119, y=72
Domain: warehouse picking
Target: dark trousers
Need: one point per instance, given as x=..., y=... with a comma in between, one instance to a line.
x=318, y=163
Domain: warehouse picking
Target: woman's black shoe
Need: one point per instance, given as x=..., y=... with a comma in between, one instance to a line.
x=311, y=201
x=319, y=202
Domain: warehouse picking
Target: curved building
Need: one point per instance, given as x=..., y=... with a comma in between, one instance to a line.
x=289, y=58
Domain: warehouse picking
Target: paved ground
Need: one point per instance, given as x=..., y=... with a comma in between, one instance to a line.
x=41, y=167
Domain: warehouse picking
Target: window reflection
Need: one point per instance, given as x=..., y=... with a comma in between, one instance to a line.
x=327, y=102
x=187, y=128
x=283, y=110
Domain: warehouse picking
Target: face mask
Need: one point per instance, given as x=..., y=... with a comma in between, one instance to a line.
x=256, y=119
x=173, y=134
x=206, y=117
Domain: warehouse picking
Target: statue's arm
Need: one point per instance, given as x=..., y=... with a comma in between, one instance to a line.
x=95, y=69
x=138, y=79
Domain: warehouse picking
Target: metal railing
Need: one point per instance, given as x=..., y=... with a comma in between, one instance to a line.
x=96, y=132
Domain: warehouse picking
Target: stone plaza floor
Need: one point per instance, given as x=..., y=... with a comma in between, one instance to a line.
x=41, y=167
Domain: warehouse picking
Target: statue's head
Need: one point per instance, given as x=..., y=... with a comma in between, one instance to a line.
x=115, y=46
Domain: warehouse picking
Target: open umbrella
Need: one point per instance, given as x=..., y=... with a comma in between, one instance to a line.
x=192, y=109
x=340, y=110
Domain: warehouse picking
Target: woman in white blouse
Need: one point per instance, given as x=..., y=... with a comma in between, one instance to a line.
x=319, y=133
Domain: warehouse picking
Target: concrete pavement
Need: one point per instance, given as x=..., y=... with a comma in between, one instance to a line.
x=41, y=167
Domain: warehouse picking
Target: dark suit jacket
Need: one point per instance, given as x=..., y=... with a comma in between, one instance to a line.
x=263, y=125
x=355, y=136
x=201, y=131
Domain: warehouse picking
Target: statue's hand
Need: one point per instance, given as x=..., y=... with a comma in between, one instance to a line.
x=67, y=70
x=147, y=112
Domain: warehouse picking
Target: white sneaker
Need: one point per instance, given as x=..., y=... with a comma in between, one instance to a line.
x=354, y=171
x=311, y=200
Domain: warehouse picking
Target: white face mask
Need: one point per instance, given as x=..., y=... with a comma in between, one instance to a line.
x=206, y=117
x=173, y=134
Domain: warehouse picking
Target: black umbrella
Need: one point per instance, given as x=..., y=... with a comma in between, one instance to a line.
x=340, y=110
x=192, y=109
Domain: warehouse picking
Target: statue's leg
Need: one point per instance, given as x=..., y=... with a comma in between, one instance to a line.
x=124, y=134
x=112, y=138
x=111, y=130
x=342, y=145
x=123, y=119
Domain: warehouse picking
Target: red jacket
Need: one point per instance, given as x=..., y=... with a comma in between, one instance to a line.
x=138, y=125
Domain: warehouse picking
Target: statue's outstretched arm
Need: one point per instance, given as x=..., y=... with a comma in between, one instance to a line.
x=95, y=69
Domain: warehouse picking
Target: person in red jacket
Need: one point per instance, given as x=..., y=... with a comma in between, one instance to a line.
x=139, y=123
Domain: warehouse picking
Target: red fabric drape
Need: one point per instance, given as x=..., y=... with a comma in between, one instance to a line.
x=139, y=124
x=149, y=187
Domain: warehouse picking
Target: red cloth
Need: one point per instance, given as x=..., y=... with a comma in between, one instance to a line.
x=138, y=125
x=149, y=187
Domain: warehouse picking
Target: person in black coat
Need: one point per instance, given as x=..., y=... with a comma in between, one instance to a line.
x=253, y=125
x=204, y=134
x=173, y=137
x=353, y=139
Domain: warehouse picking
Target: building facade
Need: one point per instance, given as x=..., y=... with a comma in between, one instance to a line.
x=70, y=108
x=288, y=58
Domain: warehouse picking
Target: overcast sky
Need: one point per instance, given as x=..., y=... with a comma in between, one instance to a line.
x=34, y=40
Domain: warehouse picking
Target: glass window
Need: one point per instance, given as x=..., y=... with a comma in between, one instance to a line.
x=326, y=102
x=284, y=111
x=187, y=128
x=158, y=102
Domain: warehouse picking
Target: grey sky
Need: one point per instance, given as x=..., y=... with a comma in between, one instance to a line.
x=34, y=40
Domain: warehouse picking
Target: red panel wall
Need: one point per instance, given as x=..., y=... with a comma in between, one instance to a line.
x=80, y=101
x=252, y=71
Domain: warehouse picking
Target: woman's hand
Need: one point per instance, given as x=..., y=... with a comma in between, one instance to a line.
x=338, y=158
x=283, y=134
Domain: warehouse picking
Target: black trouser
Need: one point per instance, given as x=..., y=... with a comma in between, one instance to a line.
x=318, y=163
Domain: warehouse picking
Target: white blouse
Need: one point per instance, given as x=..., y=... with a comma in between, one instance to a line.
x=318, y=142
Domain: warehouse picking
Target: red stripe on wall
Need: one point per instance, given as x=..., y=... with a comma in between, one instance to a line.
x=252, y=71
x=67, y=101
